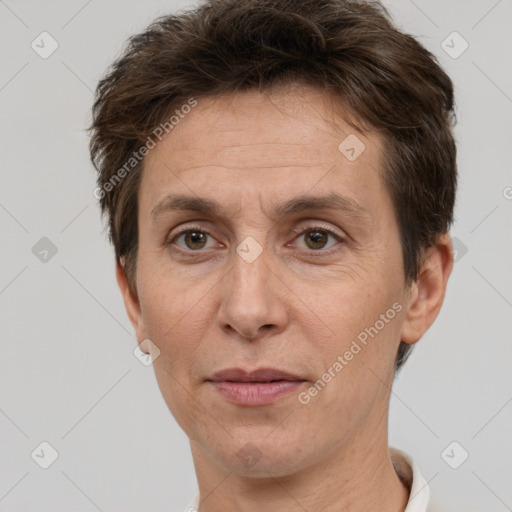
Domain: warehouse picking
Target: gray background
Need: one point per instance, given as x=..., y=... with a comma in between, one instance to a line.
x=68, y=373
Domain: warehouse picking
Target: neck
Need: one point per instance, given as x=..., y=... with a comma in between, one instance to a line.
x=354, y=477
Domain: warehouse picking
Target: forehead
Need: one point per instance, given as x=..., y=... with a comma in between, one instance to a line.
x=276, y=142
x=272, y=125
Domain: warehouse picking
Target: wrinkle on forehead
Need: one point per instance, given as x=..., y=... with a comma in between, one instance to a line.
x=247, y=139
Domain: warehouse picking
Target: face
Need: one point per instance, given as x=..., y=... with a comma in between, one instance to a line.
x=263, y=246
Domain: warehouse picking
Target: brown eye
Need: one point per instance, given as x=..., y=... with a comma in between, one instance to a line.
x=193, y=240
x=316, y=239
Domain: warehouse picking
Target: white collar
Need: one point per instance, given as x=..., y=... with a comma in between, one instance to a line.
x=408, y=472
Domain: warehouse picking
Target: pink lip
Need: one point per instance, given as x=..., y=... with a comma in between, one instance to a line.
x=259, y=387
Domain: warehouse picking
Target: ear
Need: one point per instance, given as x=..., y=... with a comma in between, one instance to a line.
x=133, y=309
x=427, y=293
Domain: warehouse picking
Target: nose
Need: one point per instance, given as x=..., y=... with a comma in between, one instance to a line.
x=253, y=303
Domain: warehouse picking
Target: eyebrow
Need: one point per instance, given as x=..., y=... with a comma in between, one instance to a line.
x=332, y=201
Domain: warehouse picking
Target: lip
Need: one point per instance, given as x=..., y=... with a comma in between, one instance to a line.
x=255, y=388
x=255, y=376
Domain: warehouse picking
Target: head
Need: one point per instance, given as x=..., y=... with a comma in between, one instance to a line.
x=279, y=181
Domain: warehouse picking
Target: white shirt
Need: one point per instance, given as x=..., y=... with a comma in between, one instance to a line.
x=409, y=473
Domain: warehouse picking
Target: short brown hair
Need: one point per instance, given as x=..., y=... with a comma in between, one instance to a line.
x=351, y=49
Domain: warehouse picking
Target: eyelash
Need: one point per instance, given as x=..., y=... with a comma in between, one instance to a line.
x=316, y=227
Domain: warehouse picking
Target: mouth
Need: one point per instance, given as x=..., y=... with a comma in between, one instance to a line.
x=256, y=388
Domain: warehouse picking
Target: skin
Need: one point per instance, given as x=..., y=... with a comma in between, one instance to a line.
x=207, y=309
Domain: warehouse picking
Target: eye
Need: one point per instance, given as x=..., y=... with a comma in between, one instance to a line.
x=193, y=239
x=317, y=238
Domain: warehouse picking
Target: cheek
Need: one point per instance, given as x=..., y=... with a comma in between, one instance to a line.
x=176, y=321
x=364, y=314
x=174, y=313
x=348, y=306
x=355, y=361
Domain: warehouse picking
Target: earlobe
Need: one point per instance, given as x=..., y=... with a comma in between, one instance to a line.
x=132, y=306
x=427, y=293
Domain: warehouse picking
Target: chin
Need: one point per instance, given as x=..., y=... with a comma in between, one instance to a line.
x=263, y=457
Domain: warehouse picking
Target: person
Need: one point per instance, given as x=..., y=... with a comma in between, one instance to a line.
x=279, y=181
